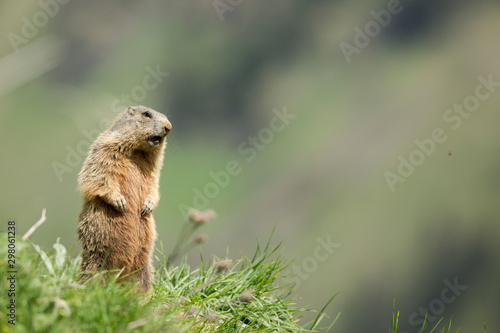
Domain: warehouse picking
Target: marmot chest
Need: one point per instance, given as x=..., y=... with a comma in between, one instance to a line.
x=135, y=183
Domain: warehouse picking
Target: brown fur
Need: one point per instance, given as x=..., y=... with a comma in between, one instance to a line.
x=119, y=182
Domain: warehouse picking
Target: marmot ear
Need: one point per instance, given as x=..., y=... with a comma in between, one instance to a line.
x=131, y=110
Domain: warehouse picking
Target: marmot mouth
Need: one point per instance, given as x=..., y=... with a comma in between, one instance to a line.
x=155, y=140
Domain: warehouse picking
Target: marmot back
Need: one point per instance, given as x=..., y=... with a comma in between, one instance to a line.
x=119, y=182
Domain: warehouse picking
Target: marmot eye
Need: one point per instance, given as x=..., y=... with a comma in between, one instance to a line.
x=147, y=114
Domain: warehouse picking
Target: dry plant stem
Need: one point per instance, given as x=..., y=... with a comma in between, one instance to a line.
x=35, y=226
x=181, y=245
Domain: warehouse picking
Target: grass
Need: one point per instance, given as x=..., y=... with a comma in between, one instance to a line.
x=221, y=296
x=445, y=329
x=248, y=295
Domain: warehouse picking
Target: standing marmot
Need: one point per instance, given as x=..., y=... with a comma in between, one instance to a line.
x=119, y=182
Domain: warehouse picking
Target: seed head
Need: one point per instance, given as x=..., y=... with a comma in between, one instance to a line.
x=201, y=238
x=223, y=266
x=209, y=214
x=246, y=296
x=200, y=217
x=194, y=215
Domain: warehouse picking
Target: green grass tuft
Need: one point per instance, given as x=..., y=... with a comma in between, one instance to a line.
x=245, y=296
x=445, y=329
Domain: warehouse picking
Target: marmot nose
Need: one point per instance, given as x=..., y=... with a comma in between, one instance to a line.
x=168, y=127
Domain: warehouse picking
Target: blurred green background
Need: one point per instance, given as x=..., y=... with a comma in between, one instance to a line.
x=68, y=67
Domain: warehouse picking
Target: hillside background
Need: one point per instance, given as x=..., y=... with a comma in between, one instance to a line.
x=320, y=179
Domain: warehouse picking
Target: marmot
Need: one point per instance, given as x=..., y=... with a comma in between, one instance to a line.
x=119, y=182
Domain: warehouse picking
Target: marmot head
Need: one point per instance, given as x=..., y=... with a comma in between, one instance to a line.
x=145, y=126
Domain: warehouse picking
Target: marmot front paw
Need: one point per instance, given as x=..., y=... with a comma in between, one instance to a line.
x=119, y=203
x=148, y=206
